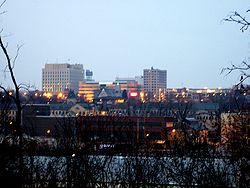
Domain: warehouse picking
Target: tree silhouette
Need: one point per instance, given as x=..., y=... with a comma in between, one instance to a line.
x=244, y=67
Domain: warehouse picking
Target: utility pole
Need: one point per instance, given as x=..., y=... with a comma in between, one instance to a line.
x=137, y=130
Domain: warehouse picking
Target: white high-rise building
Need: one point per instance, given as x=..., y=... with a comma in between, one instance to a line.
x=155, y=83
x=57, y=78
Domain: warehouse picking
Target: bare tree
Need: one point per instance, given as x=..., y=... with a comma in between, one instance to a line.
x=17, y=87
x=16, y=159
x=244, y=67
x=237, y=140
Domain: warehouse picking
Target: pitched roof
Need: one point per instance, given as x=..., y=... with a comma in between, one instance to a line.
x=71, y=95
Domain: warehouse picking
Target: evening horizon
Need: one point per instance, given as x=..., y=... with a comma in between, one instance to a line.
x=120, y=39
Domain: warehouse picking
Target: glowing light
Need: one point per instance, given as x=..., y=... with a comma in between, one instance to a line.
x=169, y=124
x=119, y=101
x=60, y=95
x=173, y=131
x=142, y=96
x=160, y=141
x=48, y=95
x=133, y=94
x=48, y=131
x=210, y=90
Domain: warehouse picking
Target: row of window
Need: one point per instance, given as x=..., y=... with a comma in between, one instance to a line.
x=55, y=76
x=55, y=72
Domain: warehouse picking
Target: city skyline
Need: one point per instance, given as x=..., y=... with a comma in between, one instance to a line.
x=121, y=38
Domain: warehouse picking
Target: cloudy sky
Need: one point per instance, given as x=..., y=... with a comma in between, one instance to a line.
x=123, y=37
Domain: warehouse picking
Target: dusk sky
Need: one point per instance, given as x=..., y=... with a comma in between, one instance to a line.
x=122, y=37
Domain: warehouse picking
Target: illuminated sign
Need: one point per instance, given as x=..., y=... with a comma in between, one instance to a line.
x=119, y=101
x=133, y=94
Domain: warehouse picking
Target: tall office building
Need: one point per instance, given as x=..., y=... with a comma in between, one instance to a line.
x=155, y=83
x=57, y=78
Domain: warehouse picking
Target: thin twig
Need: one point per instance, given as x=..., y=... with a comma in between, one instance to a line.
x=239, y=19
x=2, y=3
x=15, y=58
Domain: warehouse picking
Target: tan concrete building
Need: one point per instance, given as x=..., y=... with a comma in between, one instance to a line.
x=57, y=78
x=155, y=83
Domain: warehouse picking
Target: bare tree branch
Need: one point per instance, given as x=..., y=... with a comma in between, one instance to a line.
x=1, y=7
x=2, y=3
x=8, y=63
x=17, y=53
x=16, y=96
x=244, y=67
x=7, y=92
x=244, y=70
x=239, y=19
x=26, y=87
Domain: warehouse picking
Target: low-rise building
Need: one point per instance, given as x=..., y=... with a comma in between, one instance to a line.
x=235, y=127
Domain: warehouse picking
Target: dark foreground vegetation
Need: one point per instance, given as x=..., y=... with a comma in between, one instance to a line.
x=69, y=161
